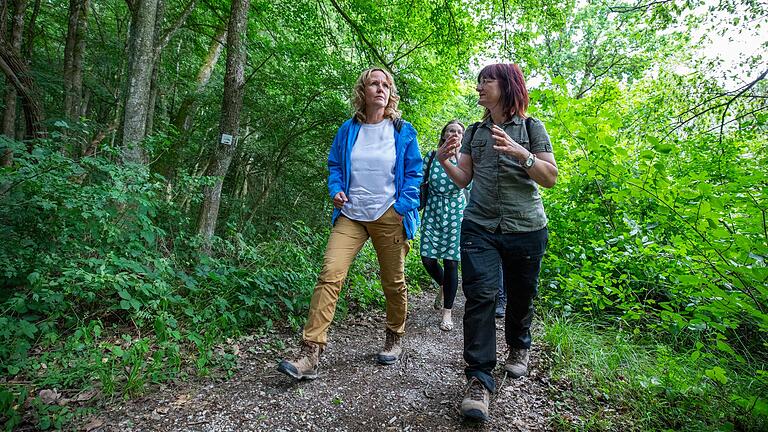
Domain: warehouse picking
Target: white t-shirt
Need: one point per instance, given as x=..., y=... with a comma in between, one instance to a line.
x=372, y=176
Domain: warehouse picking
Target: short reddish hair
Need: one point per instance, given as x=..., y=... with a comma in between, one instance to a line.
x=514, y=95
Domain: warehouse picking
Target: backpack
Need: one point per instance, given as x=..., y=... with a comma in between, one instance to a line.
x=424, y=186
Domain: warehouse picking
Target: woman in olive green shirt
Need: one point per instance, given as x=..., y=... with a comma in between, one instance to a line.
x=507, y=156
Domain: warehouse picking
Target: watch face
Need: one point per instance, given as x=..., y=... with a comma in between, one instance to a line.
x=529, y=162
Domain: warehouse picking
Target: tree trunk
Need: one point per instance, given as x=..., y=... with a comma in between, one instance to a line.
x=17, y=31
x=153, y=81
x=29, y=33
x=140, y=59
x=229, y=124
x=73, y=58
x=3, y=17
x=183, y=118
x=17, y=72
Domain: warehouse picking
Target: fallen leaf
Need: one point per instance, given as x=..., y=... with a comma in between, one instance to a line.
x=49, y=397
x=86, y=395
x=181, y=400
x=94, y=424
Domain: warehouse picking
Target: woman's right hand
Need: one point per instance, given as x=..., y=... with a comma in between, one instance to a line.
x=449, y=148
x=339, y=199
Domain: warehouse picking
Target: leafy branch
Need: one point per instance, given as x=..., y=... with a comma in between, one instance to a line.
x=735, y=94
x=360, y=33
x=639, y=7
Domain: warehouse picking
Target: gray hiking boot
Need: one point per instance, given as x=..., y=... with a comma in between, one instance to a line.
x=476, y=399
x=517, y=362
x=392, y=349
x=305, y=364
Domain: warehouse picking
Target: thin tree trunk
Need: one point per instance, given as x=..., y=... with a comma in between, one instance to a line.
x=17, y=31
x=30, y=28
x=229, y=124
x=185, y=114
x=153, y=83
x=17, y=72
x=3, y=17
x=142, y=36
x=184, y=117
x=73, y=58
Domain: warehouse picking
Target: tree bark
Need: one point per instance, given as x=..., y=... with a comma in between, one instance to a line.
x=30, y=28
x=140, y=58
x=3, y=17
x=153, y=82
x=185, y=114
x=18, y=74
x=73, y=58
x=17, y=31
x=229, y=124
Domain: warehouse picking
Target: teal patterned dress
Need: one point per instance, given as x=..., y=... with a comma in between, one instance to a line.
x=441, y=221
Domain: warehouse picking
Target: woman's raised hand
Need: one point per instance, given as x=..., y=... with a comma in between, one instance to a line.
x=339, y=199
x=449, y=148
x=504, y=144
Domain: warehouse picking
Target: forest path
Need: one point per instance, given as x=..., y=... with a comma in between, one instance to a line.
x=422, y=392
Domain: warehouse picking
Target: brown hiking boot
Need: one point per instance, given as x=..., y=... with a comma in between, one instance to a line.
x=304, y=365
x=476, y=399
x=517, y=362
x=392, y=349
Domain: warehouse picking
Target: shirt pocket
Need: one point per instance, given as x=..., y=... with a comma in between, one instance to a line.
x=477, y=151
x=521, y=137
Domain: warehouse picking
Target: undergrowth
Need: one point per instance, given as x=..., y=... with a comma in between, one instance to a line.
x=612, y=379
x=102, y=287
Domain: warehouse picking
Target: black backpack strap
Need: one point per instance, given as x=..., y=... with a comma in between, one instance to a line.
x=474, y=127
x=528, y=121
x=429, y=164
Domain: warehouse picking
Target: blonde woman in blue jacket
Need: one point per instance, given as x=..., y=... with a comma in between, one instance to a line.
x=375, y=169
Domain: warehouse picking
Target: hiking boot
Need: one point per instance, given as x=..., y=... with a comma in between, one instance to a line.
x=476, y=398
x=305, y=364
x=517, y=362
x=392, y=349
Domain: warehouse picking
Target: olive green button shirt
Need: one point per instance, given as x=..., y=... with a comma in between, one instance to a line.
x=503, y=195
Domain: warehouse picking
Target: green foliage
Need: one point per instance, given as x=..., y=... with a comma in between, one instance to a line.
x=670, y=235
x=622, y=381
x=657, y=223
x=100, y=283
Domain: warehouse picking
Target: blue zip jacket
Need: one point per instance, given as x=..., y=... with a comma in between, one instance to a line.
x=408, y=166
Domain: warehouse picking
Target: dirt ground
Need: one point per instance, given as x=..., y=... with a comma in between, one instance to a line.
x=353, y=393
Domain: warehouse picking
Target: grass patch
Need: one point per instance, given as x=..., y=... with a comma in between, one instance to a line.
x=609, y=379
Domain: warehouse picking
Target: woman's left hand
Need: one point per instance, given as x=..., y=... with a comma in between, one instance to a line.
x=507, y=145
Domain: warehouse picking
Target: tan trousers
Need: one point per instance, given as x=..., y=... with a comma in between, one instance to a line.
x=346, y=240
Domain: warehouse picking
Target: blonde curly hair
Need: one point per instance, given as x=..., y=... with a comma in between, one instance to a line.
x=358, y=100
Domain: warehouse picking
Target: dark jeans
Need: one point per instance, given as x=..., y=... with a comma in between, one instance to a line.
x=520, y=255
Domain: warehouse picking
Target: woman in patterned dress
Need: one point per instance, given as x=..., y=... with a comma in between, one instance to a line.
x=441, y=226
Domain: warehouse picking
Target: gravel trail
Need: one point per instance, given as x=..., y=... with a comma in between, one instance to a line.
x=422, y=392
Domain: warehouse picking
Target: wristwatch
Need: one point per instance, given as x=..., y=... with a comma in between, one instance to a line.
x=528, y=163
